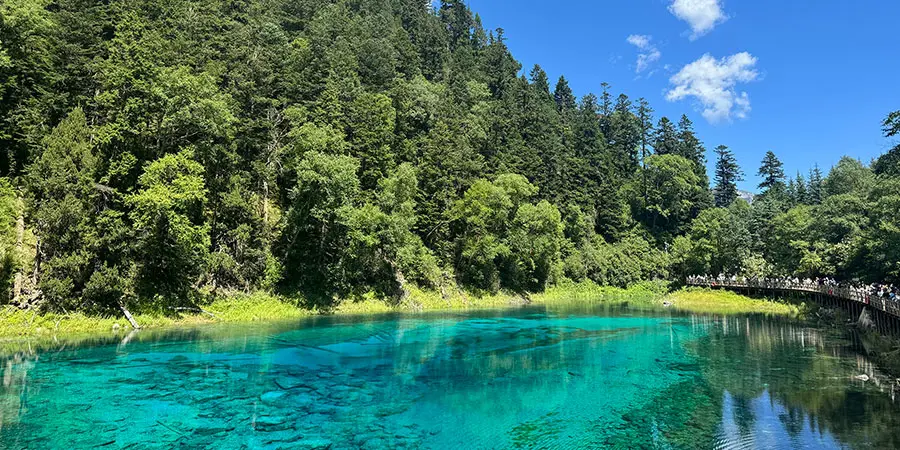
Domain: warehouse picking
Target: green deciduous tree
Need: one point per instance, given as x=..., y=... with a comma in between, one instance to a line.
x=172, y=236
x=671, y=191
x=383, y=248
x=718, y=242
x=535, y=240
x=849, y=176
x=316, y=236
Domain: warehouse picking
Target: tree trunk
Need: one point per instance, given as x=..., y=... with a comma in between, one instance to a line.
x=20, y=237
x=37, y=263
x=266, y=203
x=402, y=292
x=128, y=315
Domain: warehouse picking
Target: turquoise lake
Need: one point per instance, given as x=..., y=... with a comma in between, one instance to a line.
x=567, y=378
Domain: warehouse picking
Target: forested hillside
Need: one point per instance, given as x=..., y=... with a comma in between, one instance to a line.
x=163, y=152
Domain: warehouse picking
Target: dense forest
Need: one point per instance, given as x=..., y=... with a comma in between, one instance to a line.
x=166, y=152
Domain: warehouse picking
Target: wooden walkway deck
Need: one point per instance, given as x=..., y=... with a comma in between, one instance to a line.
x=885, y=312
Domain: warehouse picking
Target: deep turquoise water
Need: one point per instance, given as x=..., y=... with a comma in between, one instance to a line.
x=526, y=378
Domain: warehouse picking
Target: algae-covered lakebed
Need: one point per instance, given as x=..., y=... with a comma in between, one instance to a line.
x=576, y=376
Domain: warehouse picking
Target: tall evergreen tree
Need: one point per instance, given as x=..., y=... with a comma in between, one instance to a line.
x=565, y=100
x=606, y=109
x=459, y=22
x=772, y=172
x=665, y=142
x=801, y=193
x=645, y=118
x=815, y=190
x=690, y=147
x=624, y=136
x=728, y=173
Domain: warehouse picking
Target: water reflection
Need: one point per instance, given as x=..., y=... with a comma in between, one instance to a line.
x=569, y=377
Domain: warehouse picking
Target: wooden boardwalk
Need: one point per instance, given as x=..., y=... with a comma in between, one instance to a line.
x=885, y=312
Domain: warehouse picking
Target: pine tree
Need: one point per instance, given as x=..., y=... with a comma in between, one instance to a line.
x=815, y=190
x=801, y=193
x=665, y=141
x=565, y=100
x=645, y=117
x=690, y=147
x=539, y=79
x=792, y=191
x=499, y=68
x=458, y=20
x=772, y=171
x=728, y=173
x=606, y=109
x=624, y=136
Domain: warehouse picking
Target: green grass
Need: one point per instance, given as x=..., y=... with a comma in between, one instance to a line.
x=701, y=300
x=234, y=308
x=266, y=307
x=568, y=293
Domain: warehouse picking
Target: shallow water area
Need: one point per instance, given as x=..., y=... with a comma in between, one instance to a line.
x=537, y=377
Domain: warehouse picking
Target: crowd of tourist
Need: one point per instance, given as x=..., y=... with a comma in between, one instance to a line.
x=851, y=290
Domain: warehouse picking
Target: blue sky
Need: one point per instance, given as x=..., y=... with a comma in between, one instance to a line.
x=819, y=75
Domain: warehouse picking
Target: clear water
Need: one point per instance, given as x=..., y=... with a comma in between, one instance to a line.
x=528, y=378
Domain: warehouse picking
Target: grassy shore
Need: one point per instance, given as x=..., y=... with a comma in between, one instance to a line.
x=265, y=307
x=701, y=300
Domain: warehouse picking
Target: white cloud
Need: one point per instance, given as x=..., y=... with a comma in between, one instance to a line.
x=712, y=83
x=639, y=40
x=701, y=15
x=648, y=54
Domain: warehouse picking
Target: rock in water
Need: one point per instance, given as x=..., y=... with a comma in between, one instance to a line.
x=312, y=444
x=272, y=397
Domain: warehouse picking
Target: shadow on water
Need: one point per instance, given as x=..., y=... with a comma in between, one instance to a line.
x=577, y=376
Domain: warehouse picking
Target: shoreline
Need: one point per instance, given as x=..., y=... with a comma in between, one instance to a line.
x=261, y=307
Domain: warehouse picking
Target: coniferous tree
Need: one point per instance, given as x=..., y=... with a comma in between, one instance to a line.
x=815, y=191
x=459, y=22
x=565, y=100
x=801, y=194
x=772, y=172
x=624, y=137
x=690, y=147
x=645, y=118
x=728, y=173
x=606, y=109
x=665, y=142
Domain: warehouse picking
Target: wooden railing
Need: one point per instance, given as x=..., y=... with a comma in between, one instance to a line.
x=859, y=295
